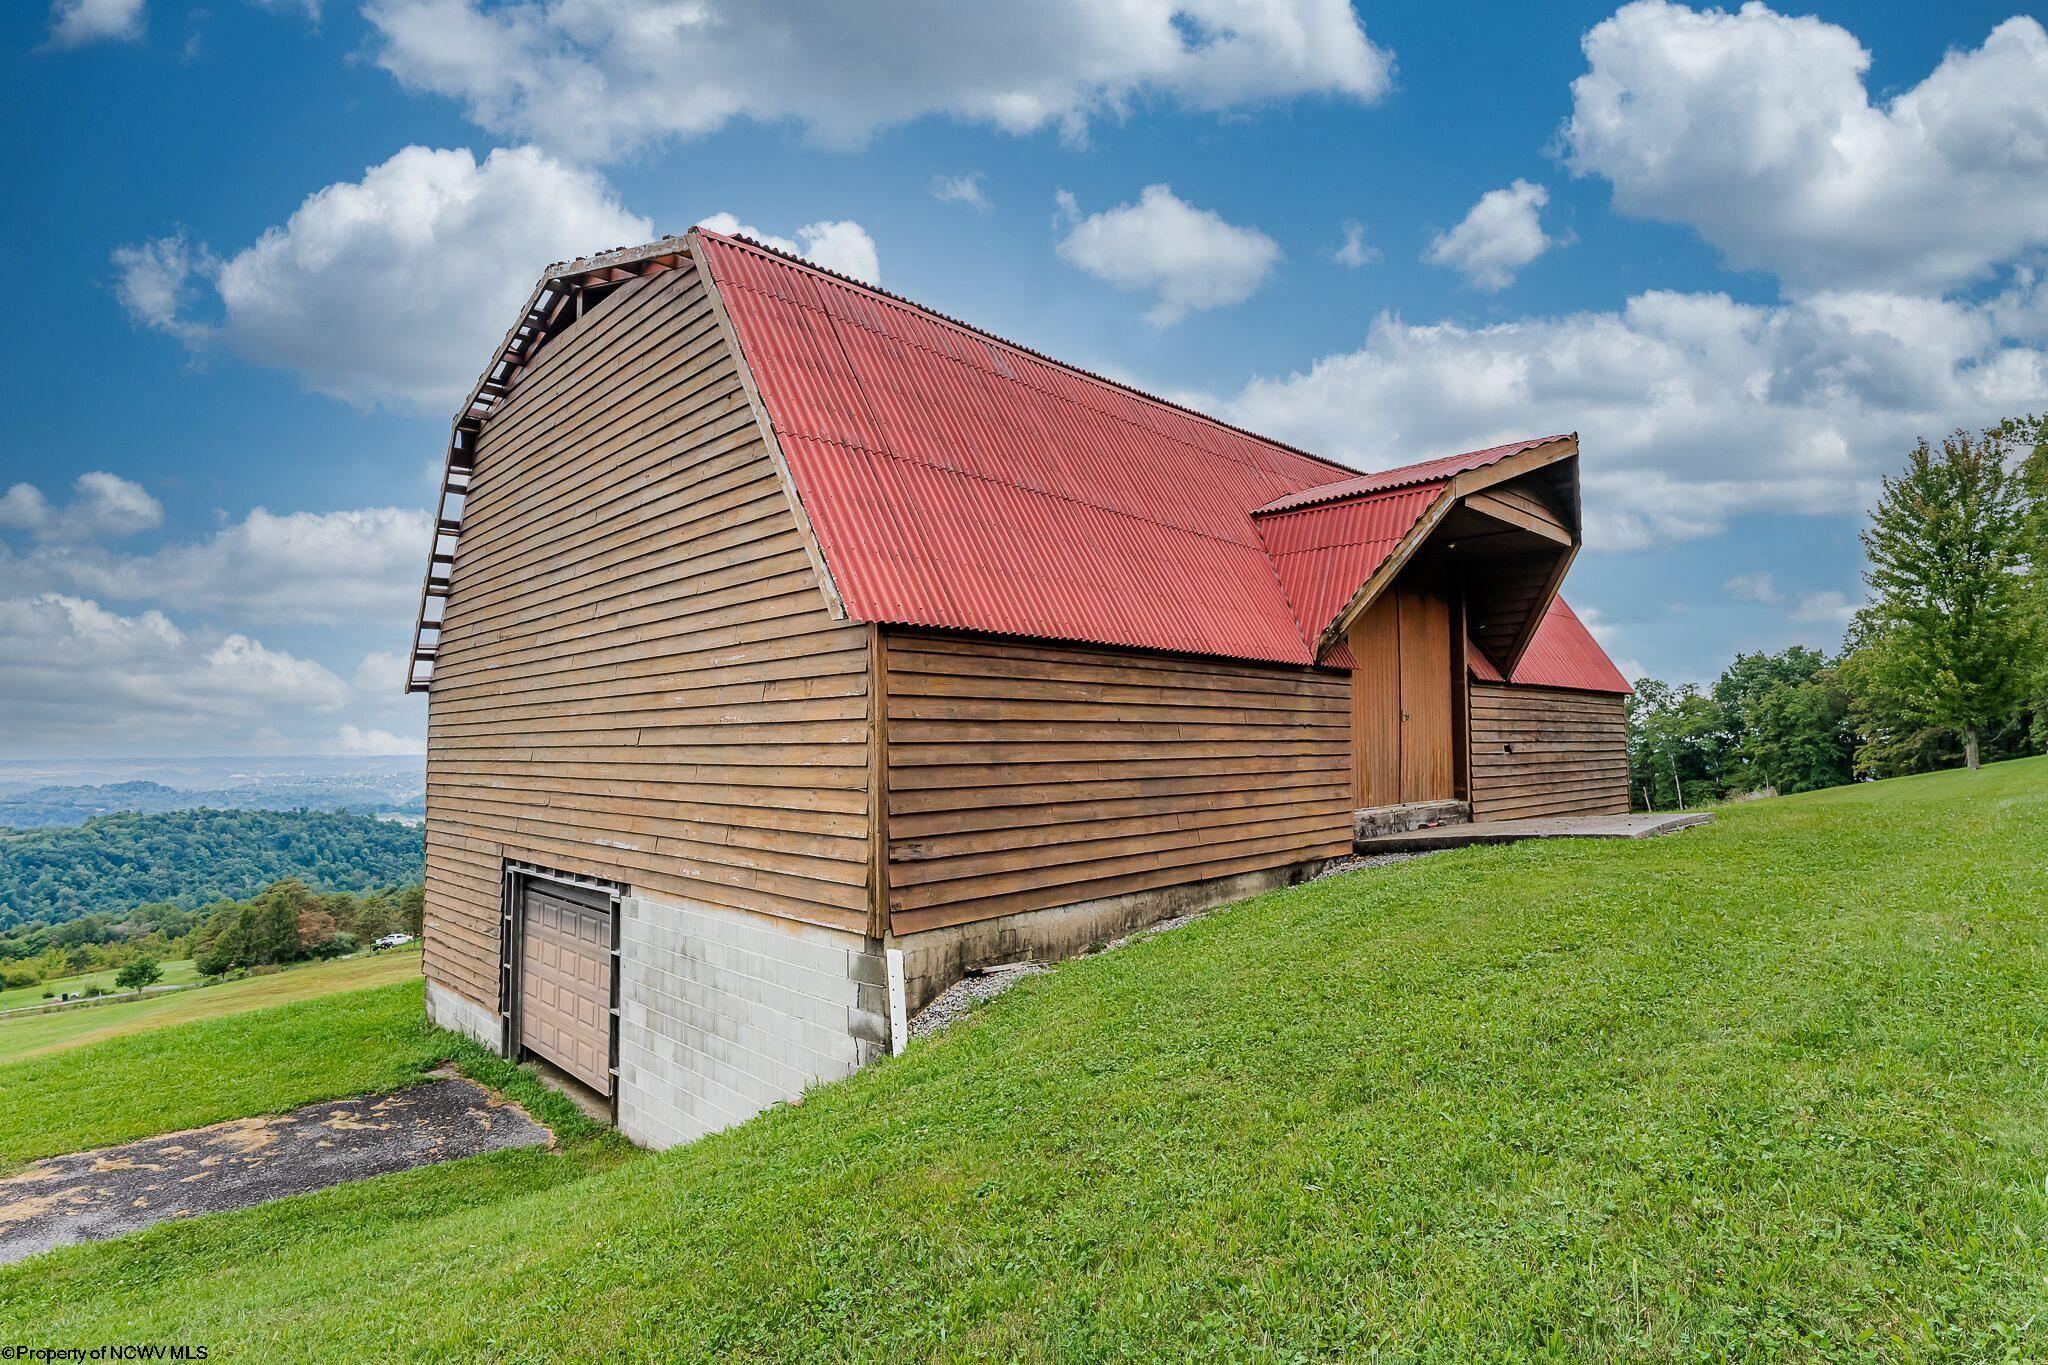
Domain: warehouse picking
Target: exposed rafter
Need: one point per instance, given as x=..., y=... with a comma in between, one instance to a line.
x=1564, y=448
x=564, y=292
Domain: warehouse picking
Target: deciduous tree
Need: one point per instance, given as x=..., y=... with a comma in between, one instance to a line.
x=1948, y=639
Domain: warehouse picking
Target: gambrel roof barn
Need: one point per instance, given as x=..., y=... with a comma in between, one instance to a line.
x=781, y=633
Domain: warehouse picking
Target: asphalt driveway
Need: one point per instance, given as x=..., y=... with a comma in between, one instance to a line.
x=87, y=1196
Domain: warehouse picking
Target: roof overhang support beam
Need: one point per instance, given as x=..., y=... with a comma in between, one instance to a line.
x=1500, y=509
x=1463, y=487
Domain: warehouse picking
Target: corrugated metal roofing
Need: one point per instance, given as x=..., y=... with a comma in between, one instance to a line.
x=956, y=480
x=1428, y=471
x=1324, y=554
x=1563, y=654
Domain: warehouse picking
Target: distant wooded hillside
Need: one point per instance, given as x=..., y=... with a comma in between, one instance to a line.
x=195, y=857
x=53, y=806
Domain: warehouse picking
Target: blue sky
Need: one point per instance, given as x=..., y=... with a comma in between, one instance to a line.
x=1748, y=256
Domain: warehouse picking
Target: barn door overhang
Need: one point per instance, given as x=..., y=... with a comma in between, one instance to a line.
x=1505, y=535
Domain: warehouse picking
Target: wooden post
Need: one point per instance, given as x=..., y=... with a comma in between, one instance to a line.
x=878, y=785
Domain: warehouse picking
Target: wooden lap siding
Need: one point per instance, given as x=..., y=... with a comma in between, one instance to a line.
x=1023, y=776
x=1539, y=751
x=639, y=679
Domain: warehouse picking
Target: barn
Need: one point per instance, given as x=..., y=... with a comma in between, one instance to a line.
x=791, y=650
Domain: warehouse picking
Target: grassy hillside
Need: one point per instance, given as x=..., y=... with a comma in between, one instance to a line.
x=181, y=972
x=1769, y=1089
x=35, y=1034
x=202, y=1072
x=194, y=857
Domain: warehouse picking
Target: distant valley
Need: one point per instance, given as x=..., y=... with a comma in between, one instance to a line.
x=104, y=836
x=56, y=794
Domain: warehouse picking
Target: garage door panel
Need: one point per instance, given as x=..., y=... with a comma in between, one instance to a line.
x=565, y=983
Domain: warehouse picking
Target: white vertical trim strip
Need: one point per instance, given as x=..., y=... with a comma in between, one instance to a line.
x=899, y=1026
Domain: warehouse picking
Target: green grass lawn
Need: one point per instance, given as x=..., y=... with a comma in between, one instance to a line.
x=35, y=1034
x=179, y=973
x=1777, y=1088
x=186, y=1075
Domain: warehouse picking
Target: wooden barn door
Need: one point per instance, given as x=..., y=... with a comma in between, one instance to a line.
x=1402, y=726
x=1425, y=695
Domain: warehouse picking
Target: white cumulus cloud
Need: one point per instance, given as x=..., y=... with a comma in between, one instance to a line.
x=1502, y=233
x=355, y=739
x=600, y=78
x=269, y=568
x=1691, y=408
x=1354, y=250
x=73, y=23
x=78, y=678
x=1757, y=129
x=102, y=505
x=1185, y=257
x=1830, y=607
x=842, y=246
x=394, y=288
x=1753, y=587
x=961, y=189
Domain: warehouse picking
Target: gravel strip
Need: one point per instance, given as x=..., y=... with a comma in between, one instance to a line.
x=963, y=995
x=1343, y=865
x=987, y=983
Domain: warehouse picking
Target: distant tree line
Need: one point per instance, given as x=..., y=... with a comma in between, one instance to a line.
x=1946, y=663
x=285, y=922
x=290, y=922
x=190, y=858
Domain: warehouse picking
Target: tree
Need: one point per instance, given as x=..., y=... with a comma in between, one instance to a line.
x=2029, y=437
x=276, y=921
x=412, y=909
x=1948, y=641
x=315, y=931
x=1788, y=721
x=233, y=947
x=1677, y=745
x=142, y=972
x=1798, y=736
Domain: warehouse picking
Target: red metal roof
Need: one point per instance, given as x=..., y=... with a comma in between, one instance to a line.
x=956, y=480
x=1325, y=553
x=1428, y=471
x=1563, y=654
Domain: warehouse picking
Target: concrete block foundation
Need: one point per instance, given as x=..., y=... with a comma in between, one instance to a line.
x=1374, y=821
x=446, y=1009
x=723, y=1013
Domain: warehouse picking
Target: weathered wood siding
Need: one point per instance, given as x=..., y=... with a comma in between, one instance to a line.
x=1023, y=776
x=639, y=679
x=1538, y=751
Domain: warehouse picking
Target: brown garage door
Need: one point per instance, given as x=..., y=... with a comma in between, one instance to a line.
x=565, y=981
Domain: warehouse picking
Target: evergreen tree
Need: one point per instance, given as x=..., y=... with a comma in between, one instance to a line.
x=1948, y=641
x=276, y=921
x=234, y=946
